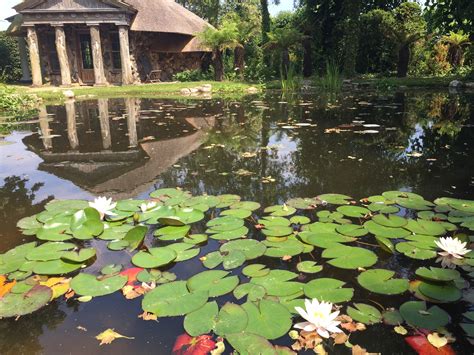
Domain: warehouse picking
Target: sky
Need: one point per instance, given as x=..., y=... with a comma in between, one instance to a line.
x=6, y=10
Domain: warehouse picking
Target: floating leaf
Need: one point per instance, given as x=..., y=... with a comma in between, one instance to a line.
x=328, y=290
x=380, y=281
x=135, y=236
x=250, y=247
x=353, y=211
x=308, y=267
x=392, y=317
x=253, y=291
x=346, y=257
x=111, y=269
x=231, y=318
x=86, y=224
x=268, y=319
x=416, y=314
x=89, y=285
x=173, y=299
x=438, y=274
x=276, y=283
x=155, y=257
x=289, y=247
x=440, y=292
x=389, y=220
x=214, y=282
x=255, y=270
x=364, y=313
x=55, y=267
x=80, y=256
x=202, y=320
x=49, y=251
x=109, y=335
x=15, y=305
x=335, y=199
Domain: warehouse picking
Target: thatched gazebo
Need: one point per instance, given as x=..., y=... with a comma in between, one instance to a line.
x=100, y=42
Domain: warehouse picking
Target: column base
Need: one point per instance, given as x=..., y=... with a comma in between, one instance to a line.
x=101, y=85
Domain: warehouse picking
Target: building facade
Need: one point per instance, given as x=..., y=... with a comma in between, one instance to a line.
x=102, y=42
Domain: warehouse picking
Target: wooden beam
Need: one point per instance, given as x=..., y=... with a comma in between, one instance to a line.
x=97, y=57
x=33, y=46
x=61, y=49
x=127, y=76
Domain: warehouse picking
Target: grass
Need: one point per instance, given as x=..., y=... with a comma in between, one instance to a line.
x=426, y=82
x=164, y=90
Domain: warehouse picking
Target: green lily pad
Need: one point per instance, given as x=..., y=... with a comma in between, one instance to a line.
x=386, y=232
x=351, y=230
x=177, y=232
x=184, y=251
x=195, y=239
x=230, y=235
x=253, y=291
x=437, y=274
x=117, y=245
x=335, y=199
x=346, y=257
x=353, y=211
x=277, y=283
x=274, y=221
x=79, y=257
x=415, y=250
x=248, y=343
x=245, y=205
x=268, y=319
x=255, y=270
x=202, y=320
x=250, y=247
x=440, y=293
x=155, y=257
x=20, y=304
x=308, y=267
x=380, y=281
x=227, y=200
x=214, y=282
x=135, y=236
x=231, y=318
x=289, y=247
x=239, y=213
x=324, y=240
x=303, y=203
x=55, y=267
x=86, y=224
x=389, y=220
x=49, y=251
x=392, y=317
x=300, y=220
x=424, y=227
x=89, y=285
x=223, y=224
x=173, y=299
x=277, y=231
x=416, y=314
x=364, y=313
x=111, y=269
x=385, y=244
x=280, y=210
x=328, y=290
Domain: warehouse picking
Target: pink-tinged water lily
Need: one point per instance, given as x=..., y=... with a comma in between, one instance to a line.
x=453, y=252
x=144, y=207
x=319, y=317
x=104, y=206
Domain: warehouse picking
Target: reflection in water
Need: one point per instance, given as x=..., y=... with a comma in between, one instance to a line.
x=266, y=151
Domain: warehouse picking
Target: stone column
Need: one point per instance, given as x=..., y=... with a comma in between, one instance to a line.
x=34, y=56
x=127, y=77
x=61, y=48
x=97, y=57
x=130, y=104
x=105, y=123
x=44, y=128
x=71, y=124
x=25, y=68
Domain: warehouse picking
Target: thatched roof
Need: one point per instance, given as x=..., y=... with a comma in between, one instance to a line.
x=165, y=16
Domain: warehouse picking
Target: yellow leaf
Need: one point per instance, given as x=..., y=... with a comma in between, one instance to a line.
x=436, y=340
x=400, y=330
x=53, y=281
x=130, y=293
x=59, y=290
x=109, y=335
x=148, y=316
x=319, y=349
x=220, y=348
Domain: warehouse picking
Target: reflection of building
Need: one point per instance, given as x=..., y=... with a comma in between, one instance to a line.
x=106, y=41
x=104, y=147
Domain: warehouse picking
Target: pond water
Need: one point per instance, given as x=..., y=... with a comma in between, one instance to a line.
x=266, y=149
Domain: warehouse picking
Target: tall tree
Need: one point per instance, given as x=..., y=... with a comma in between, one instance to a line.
x=450, y=15
x=282, y=39
x=350, y=41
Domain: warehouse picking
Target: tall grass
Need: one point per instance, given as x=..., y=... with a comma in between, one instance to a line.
x=332, y=79
x=292, y=83
x=15, y=105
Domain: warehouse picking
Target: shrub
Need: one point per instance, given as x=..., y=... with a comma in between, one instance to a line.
x=16, y=105
x=10, y=67
x=193, y=75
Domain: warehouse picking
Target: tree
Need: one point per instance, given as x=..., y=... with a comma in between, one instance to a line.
x=281, y=40
x=450, y=15
x=219, y=40
x=456, y=41
x=10, y=67
x=350, y=40
x=406, y=25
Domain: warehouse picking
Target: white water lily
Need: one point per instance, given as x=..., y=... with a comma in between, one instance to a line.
x=144, y=207
x=319, y=317
x=453, y=252
x=104, y=206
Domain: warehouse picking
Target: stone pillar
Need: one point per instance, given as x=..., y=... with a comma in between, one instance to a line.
x=61, y=48
x=127, y=77
x=130, y=104
x=105, y=123
x=25, y=68
x=71, y=124
x=34, y=56
x=44, y=128
x=97, y=57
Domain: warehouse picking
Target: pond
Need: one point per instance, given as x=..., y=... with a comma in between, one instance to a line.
x=268, y=149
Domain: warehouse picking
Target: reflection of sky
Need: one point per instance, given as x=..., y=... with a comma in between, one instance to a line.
x=15, y=158
x=416, y=139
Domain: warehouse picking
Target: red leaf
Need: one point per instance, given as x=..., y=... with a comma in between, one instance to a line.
x=187, y=345
x=131, y=274
x=422, y=346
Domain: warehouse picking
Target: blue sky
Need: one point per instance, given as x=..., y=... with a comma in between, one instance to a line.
x=6, y=9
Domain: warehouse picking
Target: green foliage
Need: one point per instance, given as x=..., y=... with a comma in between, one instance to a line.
x=15, y=104
x=10, y=68
x=193, y=75
x=331, y=81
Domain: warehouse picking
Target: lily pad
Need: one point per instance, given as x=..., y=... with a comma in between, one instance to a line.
x=308, y=267
x=440, y=292
x=55, y=267
x=250, y=247
x=390, y=220
x=214, y=282
x=364, y=313
x=280, y=210
x=346, y=257
x=155, y=257
x=86, y=224
x=49, y=251
x=202, y=320
x=20, y=304
x=231, y=318
x=416, y=314
x=253, y=291
x=381, y=281
x=135, y=236
x=289, y=247
x=437, y=274
x=173, y=299
x=334, y=199
x=255, y=270
x=353, y=211
x=80, y=256
x=89, y=285
x=328, y=290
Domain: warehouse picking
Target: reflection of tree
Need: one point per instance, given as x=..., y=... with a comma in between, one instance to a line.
x=16, y=201
x=22, y=336
x=316, y=162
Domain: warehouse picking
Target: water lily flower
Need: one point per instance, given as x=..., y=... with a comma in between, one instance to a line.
x=453, y=251
x=104, y=206
x=144, y=207
x=319, y=317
